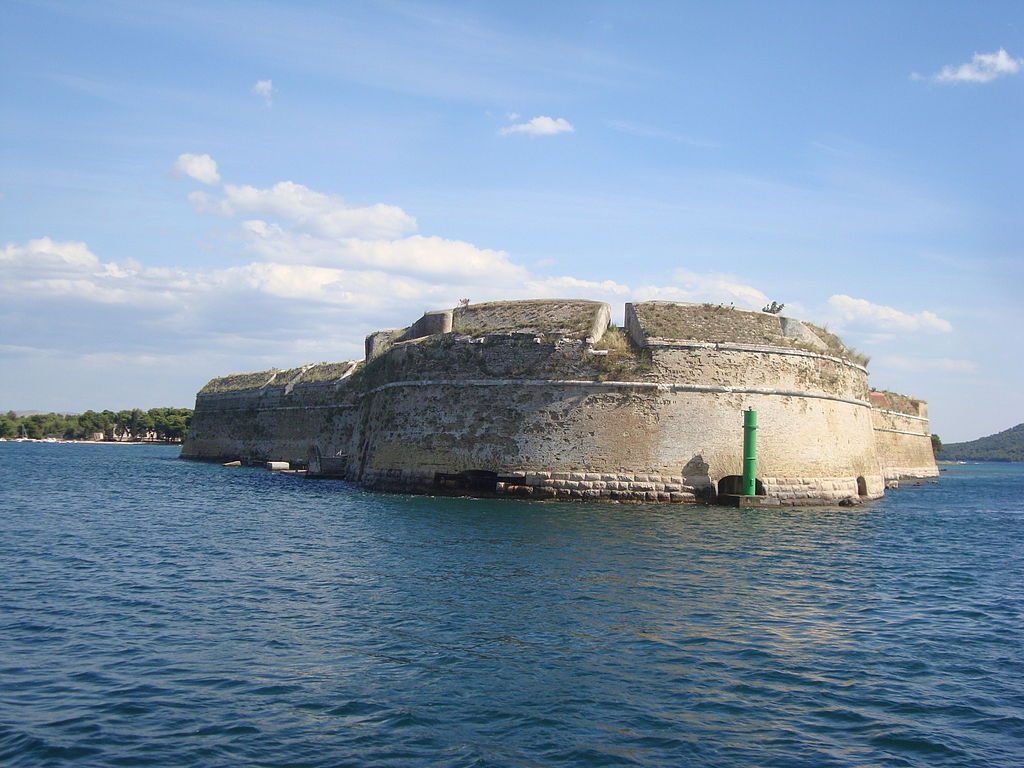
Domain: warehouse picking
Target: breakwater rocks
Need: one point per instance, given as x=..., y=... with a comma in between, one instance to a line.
x=546, y=399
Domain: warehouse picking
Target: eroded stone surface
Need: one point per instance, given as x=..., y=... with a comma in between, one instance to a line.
x=658, y=422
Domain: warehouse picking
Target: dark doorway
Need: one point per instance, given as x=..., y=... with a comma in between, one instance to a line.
x=862, y=486
x=479, y=480
x=733, y=485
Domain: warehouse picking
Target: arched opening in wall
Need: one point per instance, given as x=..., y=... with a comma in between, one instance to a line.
x=479, y=480
x=732, y=485
x=862, y=486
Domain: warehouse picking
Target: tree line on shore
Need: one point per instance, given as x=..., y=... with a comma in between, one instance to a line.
x=169, y=424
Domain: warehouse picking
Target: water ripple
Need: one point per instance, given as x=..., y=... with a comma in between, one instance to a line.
x=157, y=612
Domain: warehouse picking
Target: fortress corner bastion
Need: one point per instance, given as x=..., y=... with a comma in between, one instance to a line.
x=547, y=399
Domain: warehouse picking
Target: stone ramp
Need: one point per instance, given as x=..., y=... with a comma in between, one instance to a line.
x=318, y=373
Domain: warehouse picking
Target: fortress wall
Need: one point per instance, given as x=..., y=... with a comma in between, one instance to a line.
x=676, y=428
x=516, y=390
x=902, y=436
x=273, y=423
x=815, y=434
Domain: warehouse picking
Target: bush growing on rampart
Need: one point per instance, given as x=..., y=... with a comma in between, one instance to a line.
x=623, y=360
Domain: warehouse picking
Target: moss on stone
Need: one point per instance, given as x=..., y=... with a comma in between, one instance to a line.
x=323, y=372
x=893, y=401
x=571, y=318
x=709, y=322
x=238, y=382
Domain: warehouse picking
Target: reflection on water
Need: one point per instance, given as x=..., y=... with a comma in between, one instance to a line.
x=162, y=612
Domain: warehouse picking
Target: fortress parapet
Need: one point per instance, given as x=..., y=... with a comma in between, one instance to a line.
x=547, y=399
x=903, y=440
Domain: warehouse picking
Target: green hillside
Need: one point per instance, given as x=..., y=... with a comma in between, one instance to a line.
x=1007, y=445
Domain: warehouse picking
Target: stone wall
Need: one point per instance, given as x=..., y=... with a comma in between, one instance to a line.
x=902, y=436
x=288, y=421
x=540, y=412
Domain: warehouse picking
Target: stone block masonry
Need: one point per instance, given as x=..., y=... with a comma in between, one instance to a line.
x=903, y=439
x=525, y=399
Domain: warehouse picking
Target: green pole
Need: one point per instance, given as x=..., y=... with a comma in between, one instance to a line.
x=749, y=452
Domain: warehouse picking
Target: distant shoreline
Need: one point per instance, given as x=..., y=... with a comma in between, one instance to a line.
x=87, y=442
x=978, y=461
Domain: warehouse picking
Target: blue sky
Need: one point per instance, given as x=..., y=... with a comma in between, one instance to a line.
x=189, y=189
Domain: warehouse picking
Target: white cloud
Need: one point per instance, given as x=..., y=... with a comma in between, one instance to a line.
x=982, y=68
x=309, y=211
x=436, y=257
x=45, y=256
x=568, y=287
x=69, y=299
x=925, y=364
x=540, y=126
x=46, y=268
x=315, y=265
x=265, y=88
x=861, y=313
x=199, y=167
x=711, y=287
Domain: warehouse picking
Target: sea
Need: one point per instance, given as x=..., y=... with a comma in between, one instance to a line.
x=158, y=612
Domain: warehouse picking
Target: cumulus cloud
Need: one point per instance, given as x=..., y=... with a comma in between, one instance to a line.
x=433, y=256
x=46, y=267
x=265, y=88
x=315, y=265
x=539, y=126
x=202, y=168
x=312, y=212
x=68, y=297
x=715, y=288
x=982, y=68
x=861, y=313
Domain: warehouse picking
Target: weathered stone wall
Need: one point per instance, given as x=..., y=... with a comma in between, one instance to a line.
x=283, y=422
x=550, y=416
x=671, y=424
x=902, y=436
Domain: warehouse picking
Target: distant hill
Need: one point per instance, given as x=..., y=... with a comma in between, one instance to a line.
x=1007, y=445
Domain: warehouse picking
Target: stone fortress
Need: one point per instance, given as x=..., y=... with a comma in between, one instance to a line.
x=547, y=399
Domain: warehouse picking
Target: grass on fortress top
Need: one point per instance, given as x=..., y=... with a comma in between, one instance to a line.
x=892, y=401
x=237, y=382
x=572, y=318
x=322, y=372
x=242, y=382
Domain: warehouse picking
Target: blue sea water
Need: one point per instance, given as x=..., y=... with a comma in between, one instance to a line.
x=160, y=612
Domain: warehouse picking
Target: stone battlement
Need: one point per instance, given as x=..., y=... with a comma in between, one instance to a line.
x=547, y=399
